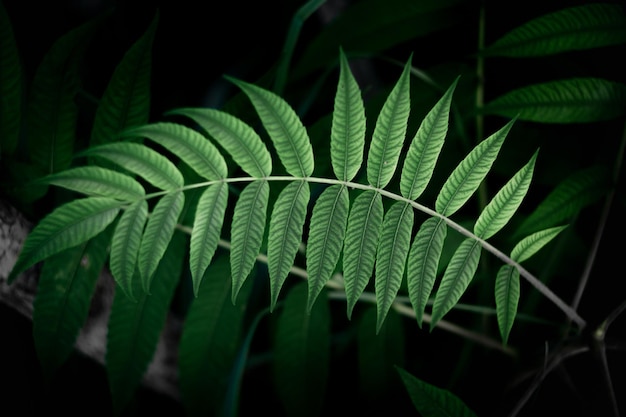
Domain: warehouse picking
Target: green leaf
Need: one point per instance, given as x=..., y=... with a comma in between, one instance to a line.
x=247, y=229
x=390, y=131
x=157, y=235
x=189, y=145
x=210, y=338
x=285, y=233
x=134, y=328
x=507, y=293
x=431, y=401
x=10, y=87
x=68, y=225
x=284, y=127
x=97, y=181
x=530, y=245
x=361, y=241
x=422, y=263
x=505, y=203
x=52, y=113
x=207, y=228
x=347, y=136
x=467, y=176
x=126, y=100
x=575, y=28
x=574, y=100
x=575, y=192
x=426, y=146
x=65, y=288
x=457, y=277
x=239, y=139
x=141, y=160
x=326, y=233
x=393, y=248
x=302, y=354
x=125, y=245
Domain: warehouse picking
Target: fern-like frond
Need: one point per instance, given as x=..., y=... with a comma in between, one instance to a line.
x=141, y=160
x=347, y=136
x=574, y=28
x=393, y=248
x=247, y=229
x=284, y=127
x=68, y=225
x=98, y=182
x=157, y=235
x=505, y=203
x=467, y=176
x=507, y=292
x=188, y=144
x=389, y=132
x=236, y=137
x=326, y=235
x=361, y=241
x=125, y=245
x=422, y=263
x=285, y=233
x=207, y=227
x=457, y=277
x=425, y=148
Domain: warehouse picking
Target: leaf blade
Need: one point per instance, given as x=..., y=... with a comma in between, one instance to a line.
x=507, y=292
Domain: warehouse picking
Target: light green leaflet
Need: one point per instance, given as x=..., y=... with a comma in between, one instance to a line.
x=141, y=160
x=207, y=227
x=467, y=176
x=67, y=226
x=285, y=234
x=422, y=263
x=189, y=145
x=393, y=248
x=239, y=139
x=326, y=234
x=97, y=181
x=528, y=246
x=284, y=127
x=504, y=204
x=361, y=241
x=389, y=132
x=457, y=277
x=247, y=229
x=347, y=137
x=425, y=147
x=575, y=28
x=157, y=235
x=125, y=245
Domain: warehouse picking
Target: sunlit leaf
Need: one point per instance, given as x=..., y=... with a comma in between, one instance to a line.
x=456, y=279
x=285, y=234
x=424, y=150
x=157, y=235
x=361, y=241
x=390, y=131
x=574, y=28
x=68, y=225
x=284, y=127
x=207, y=227
x=505, y=203
x=422, y=263
x=393, y=248
x=507, y=291
x=573, y=100
x=347, y=137
x=326, y=234
x=239, y=139
x=247, y=229
x=467, y=176
x=189, y=145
